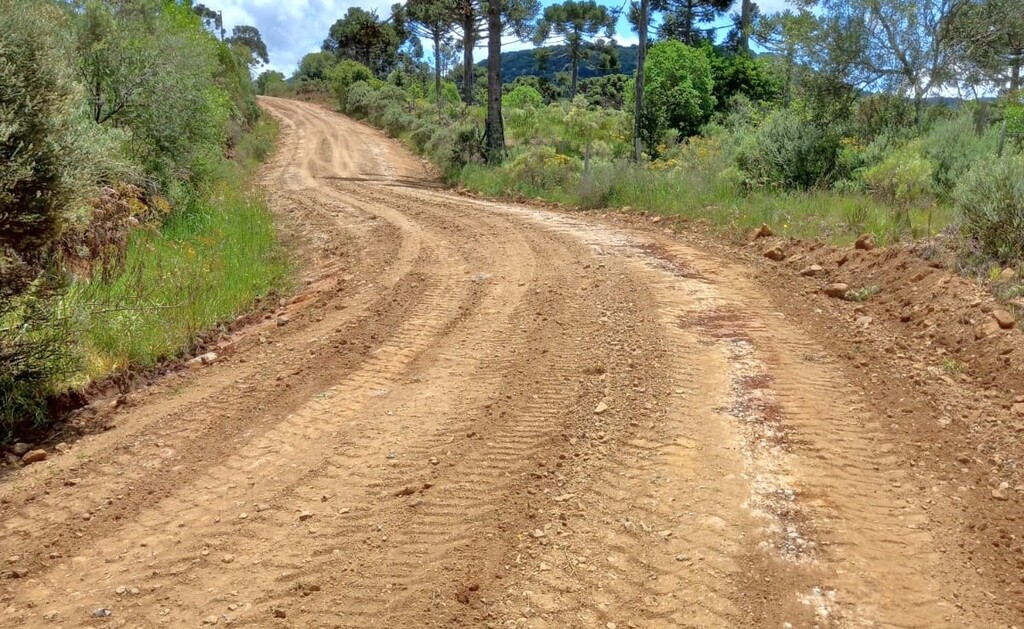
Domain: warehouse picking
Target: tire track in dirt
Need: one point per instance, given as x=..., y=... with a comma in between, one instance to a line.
x=481, y=415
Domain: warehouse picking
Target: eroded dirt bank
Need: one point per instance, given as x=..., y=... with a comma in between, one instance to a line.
x=483, y=415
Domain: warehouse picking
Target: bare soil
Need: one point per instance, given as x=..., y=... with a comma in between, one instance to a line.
x=478, y=414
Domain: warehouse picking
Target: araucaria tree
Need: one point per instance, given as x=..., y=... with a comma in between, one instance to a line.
x=573, y=23
x=362, y=36
x=514, y=17
x=435, y=20
x=682, y=19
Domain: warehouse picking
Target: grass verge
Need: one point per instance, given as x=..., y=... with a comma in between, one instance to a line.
x=210, y=259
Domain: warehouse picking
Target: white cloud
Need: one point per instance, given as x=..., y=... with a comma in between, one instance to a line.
x=290, y=28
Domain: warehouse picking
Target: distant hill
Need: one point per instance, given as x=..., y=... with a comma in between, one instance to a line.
x=524, y=63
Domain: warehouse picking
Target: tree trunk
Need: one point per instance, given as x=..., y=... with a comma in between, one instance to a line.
x=1015, y=74
x=437, y=77
x=468, y=41
x=574, y=62
x=495, y=128
x=746, y=20
x=641, y=58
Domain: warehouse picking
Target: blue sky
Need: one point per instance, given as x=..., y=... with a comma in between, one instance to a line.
x=296, y=27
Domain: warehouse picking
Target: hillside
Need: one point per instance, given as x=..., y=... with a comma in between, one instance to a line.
x=524, y=63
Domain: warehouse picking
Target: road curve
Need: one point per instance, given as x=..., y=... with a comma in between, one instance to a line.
x=479, y=415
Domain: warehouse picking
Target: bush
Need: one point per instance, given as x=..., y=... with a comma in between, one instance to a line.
x=789, y=152
x=42, y=175
x=41, y=158
x=542, y=168
x=343, y=75
x=954, y=147
x=523, y=97
x=990, y=200
x=903, y=180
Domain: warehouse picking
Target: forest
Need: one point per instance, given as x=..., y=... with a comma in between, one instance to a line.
x=128, y=130
x=902, y=118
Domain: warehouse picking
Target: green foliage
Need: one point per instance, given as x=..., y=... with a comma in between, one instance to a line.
x=743, y=75
x=208, y=261
x=94, y=94
x=522, y=97
x=45, y=172
x=524, y=63
x=254, y=49
x=272, y=83
x=343, y=75
x=954, y=147
x=678, y=93
x=362, y=36
x=990, y=200
x=903, y=180
x=605, y=91
x=542, y=168
x=575, y=22
x=314, y=66
x=41, y=158
x=789, y=152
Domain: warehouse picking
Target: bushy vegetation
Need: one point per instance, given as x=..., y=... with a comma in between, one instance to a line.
x=837, y=132
x=991, y=202
x=121, y=217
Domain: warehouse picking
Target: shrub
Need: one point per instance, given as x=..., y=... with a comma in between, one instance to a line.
x=343, y=75
x=903, y=180
x=40, y=155
x=990, y=200
x=954, y=147
x=543, y=168
x=42, y=161
x=523, y=97
x=789, y=152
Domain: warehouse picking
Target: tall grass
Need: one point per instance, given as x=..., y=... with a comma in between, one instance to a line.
x=716, y=199
x=210, y=259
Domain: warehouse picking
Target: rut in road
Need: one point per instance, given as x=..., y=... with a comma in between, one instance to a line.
x=480, y=415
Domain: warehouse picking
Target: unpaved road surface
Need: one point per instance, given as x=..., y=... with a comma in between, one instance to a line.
x=482, y=415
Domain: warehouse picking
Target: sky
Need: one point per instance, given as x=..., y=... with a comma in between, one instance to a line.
x=293, y=28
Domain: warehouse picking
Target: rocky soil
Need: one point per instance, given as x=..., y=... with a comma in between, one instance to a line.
x=479, y=414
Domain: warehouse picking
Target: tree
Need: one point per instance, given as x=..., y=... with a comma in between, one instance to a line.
x=682, y=18
x=640, y=17
x=314, y=66
x=515, y=17
x=747, y=11
x=787, y=36
x=679, y=92
x=363, y=37
x=897, y=45
x=494, y=130
x=572, y=23
x=250, y=38
x=212, y=20
x=270, y=83
x=436, y=20
x=738, y=73
x=989, y=39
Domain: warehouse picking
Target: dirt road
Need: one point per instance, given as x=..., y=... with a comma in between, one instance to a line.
x=478, y=415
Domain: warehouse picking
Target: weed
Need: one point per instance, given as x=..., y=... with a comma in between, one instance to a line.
x=953, y=367
x=863, y=294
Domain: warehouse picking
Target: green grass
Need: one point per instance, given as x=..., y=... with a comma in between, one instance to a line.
x=210, y=259
x=717, y=199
